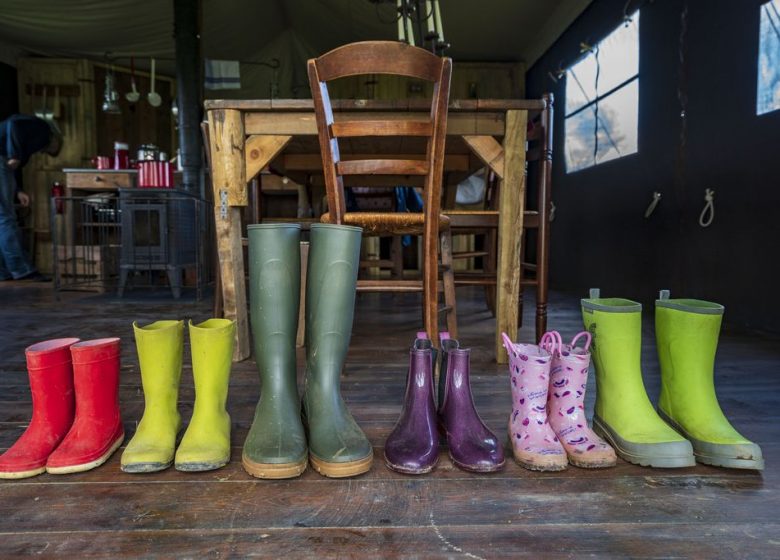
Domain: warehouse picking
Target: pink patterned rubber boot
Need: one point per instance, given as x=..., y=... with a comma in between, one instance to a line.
x=534, y=444
x=565, y=403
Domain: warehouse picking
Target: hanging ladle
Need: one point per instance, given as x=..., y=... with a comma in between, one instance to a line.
x=133, y=95
x=154, y=98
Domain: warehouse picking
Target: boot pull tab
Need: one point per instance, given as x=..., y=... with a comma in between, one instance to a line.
x=664, y=294
x=595, y=293
x=508, y=344
x=588, y=339
x=422, y=335
x=551, y=342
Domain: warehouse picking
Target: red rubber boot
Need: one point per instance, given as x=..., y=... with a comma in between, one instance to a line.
x=97, y=427
x=51, y=384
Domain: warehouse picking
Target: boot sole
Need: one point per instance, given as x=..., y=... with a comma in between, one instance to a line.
x=473, y=469
x=274, y=471
x=15, y=475
x=728, y=461
x=532, y=466
x=648, y=458
x=140, y=468
x=404, y=470
x=591, y=464
x=341, y=470
x=201, y=466
x=88, y=466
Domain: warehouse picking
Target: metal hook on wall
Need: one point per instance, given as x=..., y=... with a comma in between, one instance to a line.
x=653, y=203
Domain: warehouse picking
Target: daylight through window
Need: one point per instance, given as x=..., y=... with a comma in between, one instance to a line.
x=769, y=59
x=602, y=100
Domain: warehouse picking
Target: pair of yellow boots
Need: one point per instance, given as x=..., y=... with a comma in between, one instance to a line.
x=206, y=443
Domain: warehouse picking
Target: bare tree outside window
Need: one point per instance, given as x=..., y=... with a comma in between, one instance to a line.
x=602, y=100
x=768, y=98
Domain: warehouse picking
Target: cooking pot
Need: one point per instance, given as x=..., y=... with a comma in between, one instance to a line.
x=148, y=152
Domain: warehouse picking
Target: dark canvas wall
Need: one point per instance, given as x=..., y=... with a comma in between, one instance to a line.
x=600, y=237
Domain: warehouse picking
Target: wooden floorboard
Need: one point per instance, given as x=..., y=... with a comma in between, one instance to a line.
x=625, y=512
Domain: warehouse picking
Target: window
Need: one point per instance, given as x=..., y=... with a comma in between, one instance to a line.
x=768, y=98
x=602, y=100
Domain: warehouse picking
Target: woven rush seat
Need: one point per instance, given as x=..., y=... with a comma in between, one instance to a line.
x=383, y=223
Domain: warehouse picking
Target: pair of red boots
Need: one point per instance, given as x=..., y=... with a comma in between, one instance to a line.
x=76, y=424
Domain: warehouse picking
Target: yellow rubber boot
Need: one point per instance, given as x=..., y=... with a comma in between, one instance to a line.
x=687, y=337
x=160, y=347
x=623, y=414
x=206, y=443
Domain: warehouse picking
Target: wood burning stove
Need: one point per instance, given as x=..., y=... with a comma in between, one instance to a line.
x=159, y=233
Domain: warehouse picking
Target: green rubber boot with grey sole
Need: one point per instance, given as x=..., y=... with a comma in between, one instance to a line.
x=687, y=339
x=624, y=415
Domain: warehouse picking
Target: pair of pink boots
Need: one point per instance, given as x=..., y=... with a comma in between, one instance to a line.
x=547, y=427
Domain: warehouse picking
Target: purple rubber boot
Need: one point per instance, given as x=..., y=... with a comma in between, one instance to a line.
x=473, y=447
x=413, y=446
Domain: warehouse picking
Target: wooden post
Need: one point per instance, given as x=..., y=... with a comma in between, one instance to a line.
x=510, y=228
x=226, y=130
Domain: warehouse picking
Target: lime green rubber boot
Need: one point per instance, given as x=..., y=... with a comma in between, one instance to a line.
x=206, y=443
x=624, y=415
x=160, y=346
x=687, y=338
x=337, y=445
x=275, y=446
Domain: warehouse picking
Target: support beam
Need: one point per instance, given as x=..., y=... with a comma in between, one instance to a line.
x=510, y=229
x=186, y=29
x=260, y=150
x=226, y=131
x=489, y=151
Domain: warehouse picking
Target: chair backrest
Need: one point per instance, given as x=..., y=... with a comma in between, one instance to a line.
x=381, y=57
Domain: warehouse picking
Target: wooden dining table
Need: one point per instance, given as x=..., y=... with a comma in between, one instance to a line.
x=247, y=136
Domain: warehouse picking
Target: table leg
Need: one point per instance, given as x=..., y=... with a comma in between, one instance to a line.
x=226, y=129
x=511, y=205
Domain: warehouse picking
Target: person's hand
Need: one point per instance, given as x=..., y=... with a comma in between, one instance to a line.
x=24, y=199
x=12, y=163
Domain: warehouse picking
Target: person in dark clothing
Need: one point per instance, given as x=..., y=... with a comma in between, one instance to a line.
x=21, y=136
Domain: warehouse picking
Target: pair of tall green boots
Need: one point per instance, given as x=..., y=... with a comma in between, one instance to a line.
x=287, y=432
x=206, y=443
x=689, y=425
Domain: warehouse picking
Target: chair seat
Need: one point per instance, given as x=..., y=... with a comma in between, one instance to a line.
x=383, y=223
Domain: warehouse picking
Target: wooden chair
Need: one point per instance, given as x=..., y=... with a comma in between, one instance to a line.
x=387, y=57
x=536, y=217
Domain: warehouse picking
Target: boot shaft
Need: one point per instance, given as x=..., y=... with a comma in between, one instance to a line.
x=160, y=347
x=334, y=256
x=687, y=333
x=50, y=372
x=96, y=378
x=419, y=381
x=616, y=327
x=212, y=351
x=274, y=293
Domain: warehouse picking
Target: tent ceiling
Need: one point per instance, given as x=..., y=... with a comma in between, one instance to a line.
x=291, y=30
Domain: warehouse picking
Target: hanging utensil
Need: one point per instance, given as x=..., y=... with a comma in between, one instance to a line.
x=132, y=96
x=153, y=97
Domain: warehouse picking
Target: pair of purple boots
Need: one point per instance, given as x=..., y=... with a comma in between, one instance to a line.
x=413, y=446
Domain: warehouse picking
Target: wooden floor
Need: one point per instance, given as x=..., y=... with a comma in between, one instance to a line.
x=624, y=512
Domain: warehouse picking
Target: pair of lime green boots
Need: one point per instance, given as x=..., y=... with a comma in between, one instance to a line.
x=206, y=443
x=689, y=425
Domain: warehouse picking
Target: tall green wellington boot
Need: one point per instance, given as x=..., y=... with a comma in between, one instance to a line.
x=160, y=346
x=687, y=337
x=624, y=415
x=206, y=443
x=276, y=444
x=337, y=446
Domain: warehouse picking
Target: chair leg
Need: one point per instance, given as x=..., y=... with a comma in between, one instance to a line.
x=489, y=265
x=430, y=268
x=397, y=256
x=448, y=281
